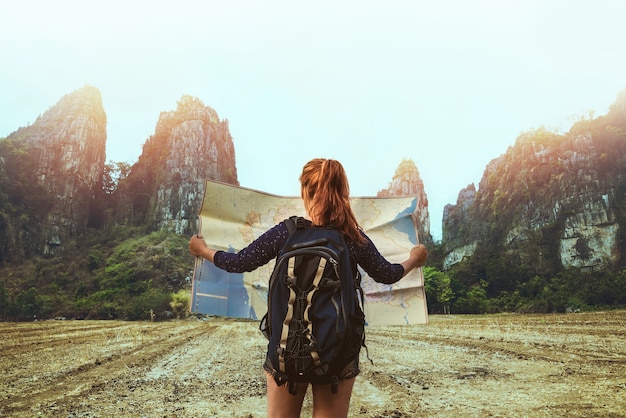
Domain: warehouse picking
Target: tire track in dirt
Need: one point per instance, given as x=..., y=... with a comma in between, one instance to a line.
x=434, y=377
x=211, y=374
x=448, y=370
x=50, y=335
x=509, y=365
x=72, y=382
x=580, y=344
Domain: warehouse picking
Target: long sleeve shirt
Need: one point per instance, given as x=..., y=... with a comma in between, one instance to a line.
x=268, y=246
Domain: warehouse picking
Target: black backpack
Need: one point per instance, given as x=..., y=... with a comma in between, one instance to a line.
x=314, y=321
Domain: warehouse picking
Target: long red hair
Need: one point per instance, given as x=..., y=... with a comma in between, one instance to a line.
x=326, y=193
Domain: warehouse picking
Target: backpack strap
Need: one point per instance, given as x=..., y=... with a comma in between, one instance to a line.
x=295, y=222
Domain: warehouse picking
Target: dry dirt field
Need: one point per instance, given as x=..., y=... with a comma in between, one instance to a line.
x=570, y=365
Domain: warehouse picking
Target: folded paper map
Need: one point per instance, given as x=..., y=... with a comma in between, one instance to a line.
x=232, y=217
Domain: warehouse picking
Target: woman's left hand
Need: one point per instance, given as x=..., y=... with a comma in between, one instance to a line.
x=419, y=255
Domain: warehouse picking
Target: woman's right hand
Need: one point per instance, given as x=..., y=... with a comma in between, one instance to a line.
x=198, y=248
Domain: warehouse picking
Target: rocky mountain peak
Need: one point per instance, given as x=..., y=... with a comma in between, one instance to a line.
x=190, y=145
x=551, y=203
x=406, y=181
x=66, y=146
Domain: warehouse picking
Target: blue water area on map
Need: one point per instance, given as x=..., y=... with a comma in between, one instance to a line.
x=217, y=292
x=403, y=222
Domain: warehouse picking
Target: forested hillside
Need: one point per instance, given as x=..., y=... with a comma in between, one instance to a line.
x=85, y=239
x=546, y=228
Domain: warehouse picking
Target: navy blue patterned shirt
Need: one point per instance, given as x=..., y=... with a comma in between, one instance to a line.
x=268, y=246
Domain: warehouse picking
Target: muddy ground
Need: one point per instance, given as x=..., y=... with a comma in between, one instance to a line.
x=570, y=365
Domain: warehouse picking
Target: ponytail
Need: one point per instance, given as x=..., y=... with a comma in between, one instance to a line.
x=326, y=191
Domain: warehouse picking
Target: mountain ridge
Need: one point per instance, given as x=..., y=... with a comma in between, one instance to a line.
x=547, y=214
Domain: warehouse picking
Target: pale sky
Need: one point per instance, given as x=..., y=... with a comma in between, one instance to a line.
x=449, y=84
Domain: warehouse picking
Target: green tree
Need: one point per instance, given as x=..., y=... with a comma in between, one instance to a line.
x=113, y=173
x=475, y=300
x=28, y=305
x=438, y=290
x=180, y=303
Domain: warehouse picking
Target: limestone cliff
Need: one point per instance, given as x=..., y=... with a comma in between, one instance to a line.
x=406, y=181
x=165, y=187
x=457, y=223
x=551, y=202
x=55, y=165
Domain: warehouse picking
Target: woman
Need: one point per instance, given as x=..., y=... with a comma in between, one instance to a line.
x=326, y=196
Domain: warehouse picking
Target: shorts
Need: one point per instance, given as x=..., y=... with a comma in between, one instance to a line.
x=349, y=371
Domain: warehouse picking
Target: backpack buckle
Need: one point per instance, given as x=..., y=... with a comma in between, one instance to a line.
x=300, y=222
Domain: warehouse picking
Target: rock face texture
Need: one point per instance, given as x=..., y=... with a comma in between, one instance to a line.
x=63, y=152
x=551, y=202
x=407, y=182
x=165, y=187
x=51, y=174
x=457, y=220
